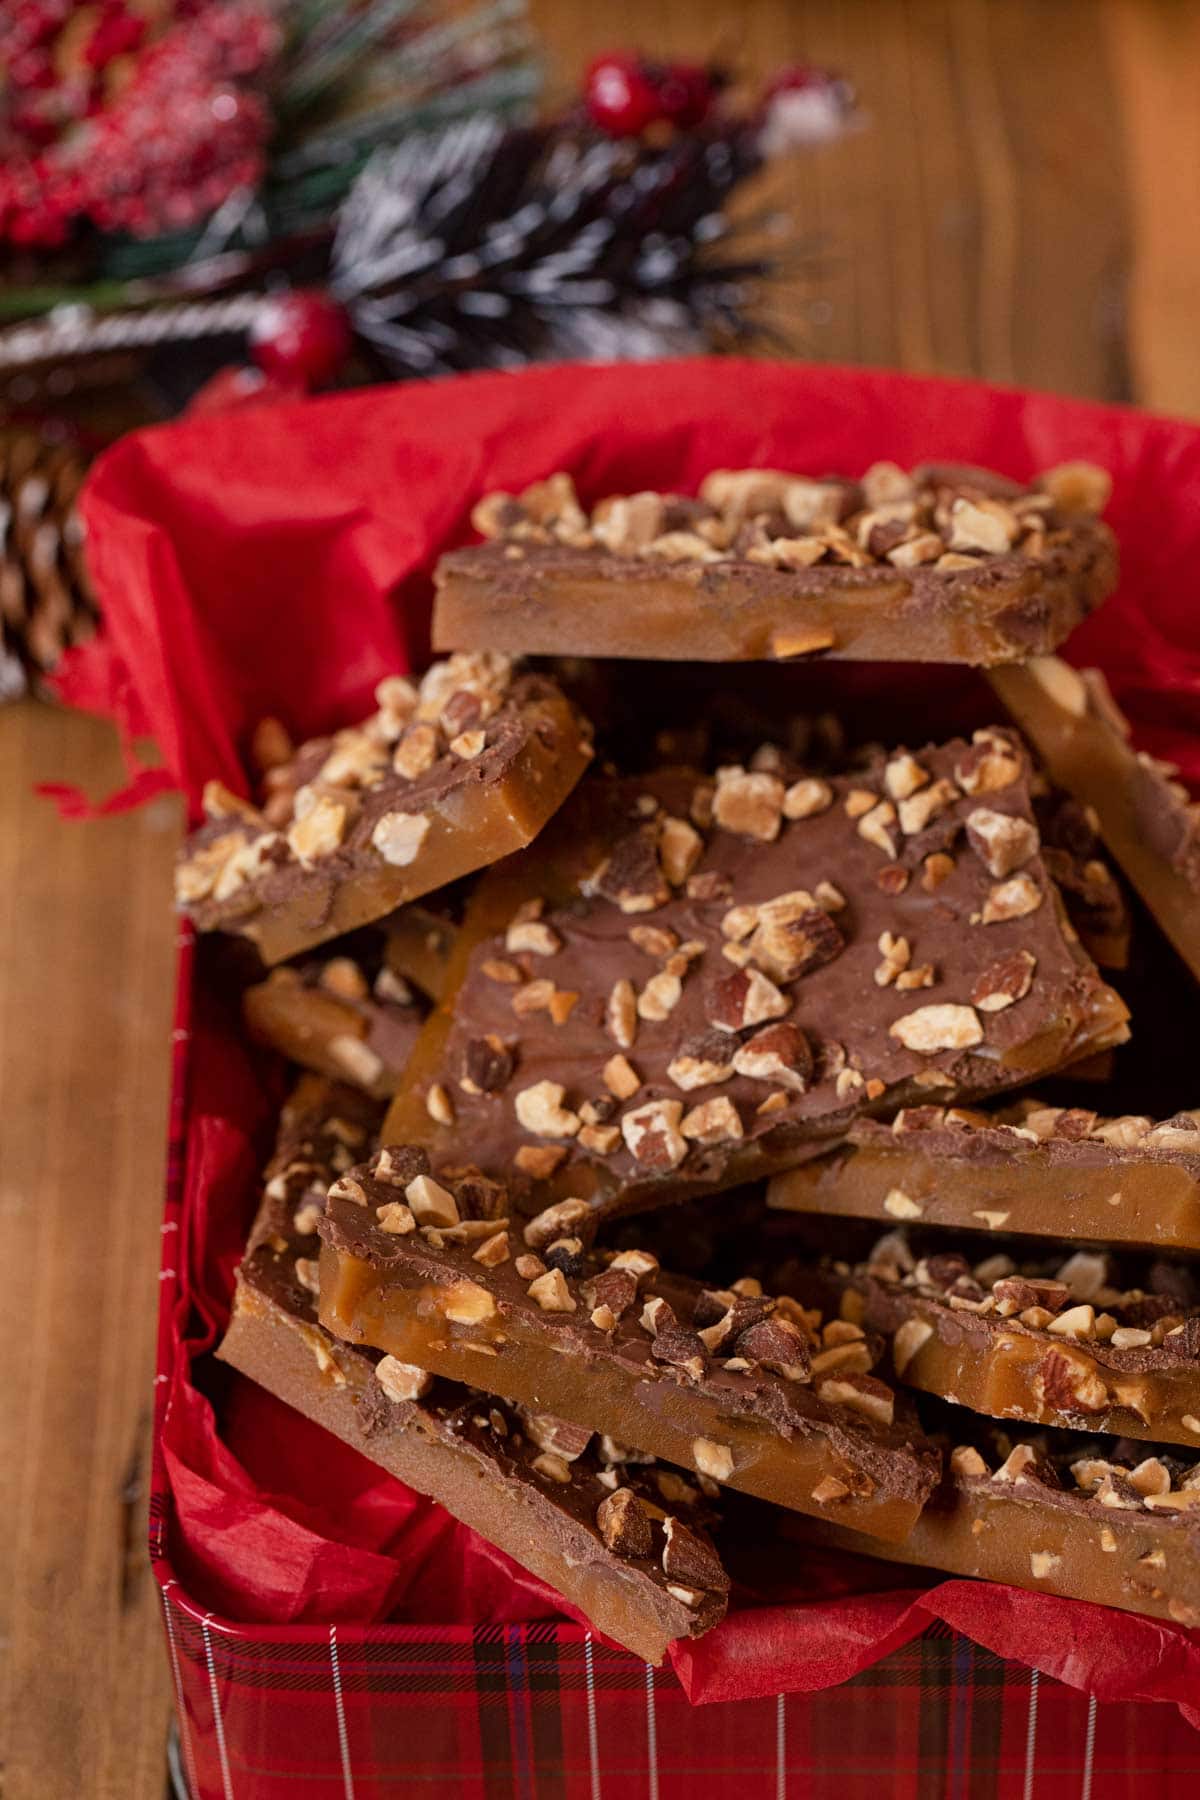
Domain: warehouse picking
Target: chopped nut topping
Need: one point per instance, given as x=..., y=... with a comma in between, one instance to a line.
x=829, y=1489
x=551, y=1292
x=933, y=1028
x=804, y=799
x=680, y=847
x=1012, y=899
x=402, y=1381
x=652, y=1134
x=540, y=1110
x=965, y=1461
x=532, y=936
x=466, y=1303
x=319, y=832
x=468, y=744
x=622, y=1014
x=935, y=869
x=749, y=804
x=746, y=998
x=991, y=763
x=1001, y=840
x=653, y=940
x=712, y=1459
x=1043, y=1563
x=564, y=1216
x=552, y=1467
x=904, y=775
x=921, y=808
x=1004, y=982
x=909, y=1338
x=621, y=1078
x=416, y=752
x=780, y=1053
x=346, y=1188
x=438, y=1104
x=397, y=1218
x=873, y=826
x=399, y=836
x=900, y=1205
x=791, y=936
x=702, y=1062
x=660, y=996
x=493, y=1251
x=539, y=1161
x=623, y=1524
x=712, y=1122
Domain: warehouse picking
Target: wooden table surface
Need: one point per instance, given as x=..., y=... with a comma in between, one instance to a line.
x=1020, y=205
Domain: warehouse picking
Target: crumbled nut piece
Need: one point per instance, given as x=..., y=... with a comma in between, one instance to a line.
x=1043, y=1563
x=899, y=1205
x=1077, y=487
x=1012, y=899
x=653, y=940
x=469, y=744
x=355, y=1059
x=621, y=1078
x=740, y=921
x=1067, y=1383
x=398, y=837
x=552, y=1467
x=933, y=1028
x=466, y=1303
x=346, y=1188
x=991, y=763
x=660, y=996
x=539, y=1161
x=702, y=1061
x=557, y=1435
x=498, y=970
x=986, y=525
x=416, y=752
x=539, y=1109
x=715, y=1460
x=533, y=996
x=553, y=1221
x=965, y=1461
x=551, y=1292
x=862, y=1394
x=780, y=1053
x=319, y=831
x=746, y=998
x=532, y=936
x=402, y=1381
x=896, y=953
x=804, y=799
x=749, y=804
x=306, y=1218
x=828, y=1490
x=439, y=1105
x=921, y=808
x=791, y=936
x=397, y=1218
x=623, y=1524
x=935, y=869
x=528, y=1266
x=712, y=1122
x=1002, y=841
x=680, y=848
x=1076, y=1322
x=621, y=1014
x=493, y=1250
x=651, y=1133
x=777, y=1344
x=909, y=1338
x=687, y=1558
x=487, y=1064
x=904, y=775
x=1004, y=982
x=873, y=826
x=636, y=1262
x=602, y=1139
x=848, y=1083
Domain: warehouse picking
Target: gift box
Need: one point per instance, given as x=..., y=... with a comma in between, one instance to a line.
x=329, y=1632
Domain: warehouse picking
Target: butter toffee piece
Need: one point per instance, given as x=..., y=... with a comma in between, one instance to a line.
x=445, y=777
x=751, y=962
x=334, y=1016
x=1041, y=1171
x=622, y=1537
x=1143, y=812
x=946, y=564
x=1108, y=1521
x=745, y=1389
x=1076, y=1345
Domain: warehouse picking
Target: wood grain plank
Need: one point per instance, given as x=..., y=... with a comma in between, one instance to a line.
x=85, y=1002
x=1155, y=55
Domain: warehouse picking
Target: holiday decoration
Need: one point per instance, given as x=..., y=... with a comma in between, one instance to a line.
x=484, y=244
x=46, y=600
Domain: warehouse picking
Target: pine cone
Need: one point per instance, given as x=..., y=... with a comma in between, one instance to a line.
x=46, y=597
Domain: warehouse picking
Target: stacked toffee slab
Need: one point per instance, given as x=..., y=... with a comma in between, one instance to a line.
x=585, y=995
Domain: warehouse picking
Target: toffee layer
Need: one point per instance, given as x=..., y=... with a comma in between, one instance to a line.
x=1036, y=1171
x=748, y=1390
x=443, y=779
x=1092, y=1344
x=332, y=1016
x=1144, y=813
x=947, y=564
x=695, y=981
x=1111, y=1523
x=626, y=1541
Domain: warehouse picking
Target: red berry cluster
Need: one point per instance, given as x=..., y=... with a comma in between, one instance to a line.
x=625, y=93
x=130, y=125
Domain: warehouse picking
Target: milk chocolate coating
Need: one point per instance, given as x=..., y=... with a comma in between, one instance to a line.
x=1041, y=1171
x=1125, y=1532
x=555, y=585
x=844, y=1016
x=431, y=1300
x=1102, y=1343
x=472, y=810
x=477, y=1456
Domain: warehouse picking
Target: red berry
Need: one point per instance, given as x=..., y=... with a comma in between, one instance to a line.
x=301, y=337
x=620, y=96
x=686, y=92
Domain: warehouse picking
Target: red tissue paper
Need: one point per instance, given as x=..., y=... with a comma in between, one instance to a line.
x=277, y=560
